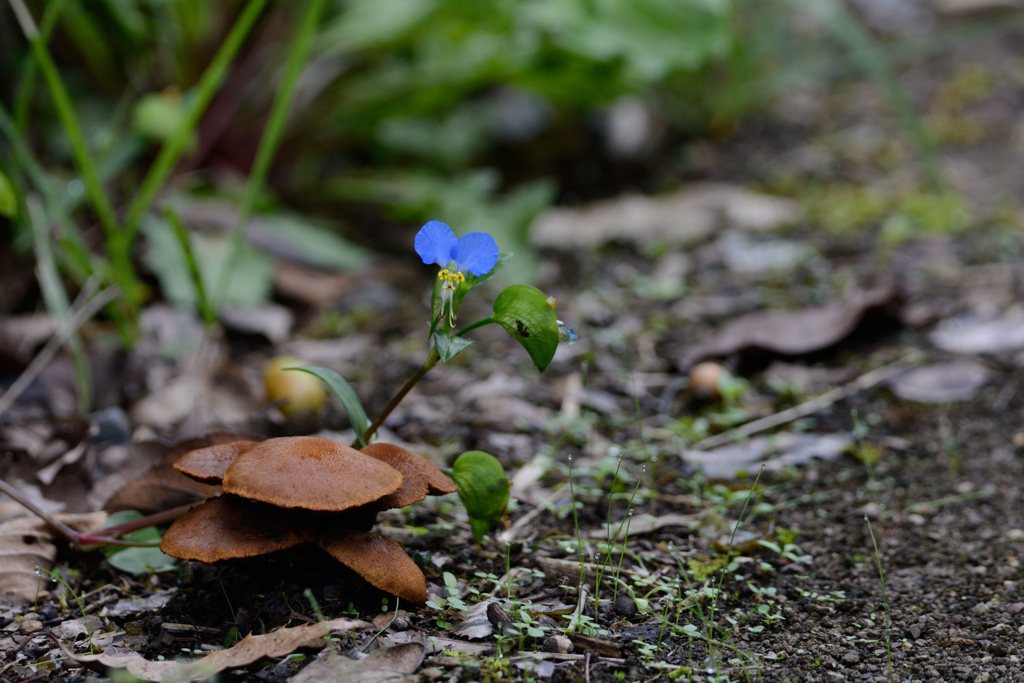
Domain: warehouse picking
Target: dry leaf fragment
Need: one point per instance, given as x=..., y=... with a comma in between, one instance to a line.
x=794, y=333
x=27, y=546
x=970, y=336
x=788, y=448
x=954, y=380
x=250, y=649
x=683, y=218
x=386, y=664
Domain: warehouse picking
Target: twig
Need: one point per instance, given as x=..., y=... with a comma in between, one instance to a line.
x=16, y=495
x=586, y=668
x=865, y=381
x=72, y=323
x=88, y=540
x=512, y=532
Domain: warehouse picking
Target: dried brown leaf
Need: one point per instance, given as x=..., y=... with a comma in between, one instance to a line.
x=250, y=649
x=386, y=664
x=27, y=546
x=794, y=333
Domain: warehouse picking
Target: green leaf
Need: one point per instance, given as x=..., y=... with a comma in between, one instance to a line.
x=250, y=286
x=343, y=391
x=8, y=197
x=137, y=560
x=483, y=488
x=524, y=312
x=448, y=346
x=142, y=561
x=314, y=243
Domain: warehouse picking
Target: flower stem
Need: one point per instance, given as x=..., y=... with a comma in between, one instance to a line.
x=429, y=363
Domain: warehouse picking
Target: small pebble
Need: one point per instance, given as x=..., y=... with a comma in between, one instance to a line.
x=559, y=644
x=915, y=631
x=30, y=625
x=625, y=607
x=850, y=657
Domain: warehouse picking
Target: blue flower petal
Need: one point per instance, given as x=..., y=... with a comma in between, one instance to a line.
x=435, y=243
x=476, y=252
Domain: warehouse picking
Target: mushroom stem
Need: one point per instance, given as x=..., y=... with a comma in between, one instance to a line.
x=428, y=364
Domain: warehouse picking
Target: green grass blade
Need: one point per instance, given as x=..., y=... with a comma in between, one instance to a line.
x=205, y=90
x=206, y=310
x=345, y=394
x=56, y=301
x=116, y=245
x=84, y=262
x=26, y=86
x=276, y=121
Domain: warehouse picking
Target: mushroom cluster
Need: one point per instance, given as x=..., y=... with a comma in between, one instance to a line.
x=284, y=492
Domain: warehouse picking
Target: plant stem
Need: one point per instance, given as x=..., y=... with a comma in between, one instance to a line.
x=428, y=364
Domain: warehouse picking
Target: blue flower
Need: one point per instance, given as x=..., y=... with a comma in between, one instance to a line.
x=476, y=252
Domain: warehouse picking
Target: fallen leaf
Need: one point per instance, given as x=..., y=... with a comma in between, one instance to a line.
x=134, y=606
x=794, y=333
x=250, y=649
x=645, y=524
x=386, y=664
x=683, y=218
x=436, y=645
x=743, y=254
x=26, y=547
x=272, y=321
x=725, y=462
x=954, y=380
x=474, y=623
x=970, y=336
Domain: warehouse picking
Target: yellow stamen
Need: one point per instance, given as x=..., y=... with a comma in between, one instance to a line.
x=450, y=283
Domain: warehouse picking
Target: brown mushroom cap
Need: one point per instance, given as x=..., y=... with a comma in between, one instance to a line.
x=381, y=561
x=311, y=473
x=436, y=481
x=229, y=527
x=208, y=465
x=419, y=477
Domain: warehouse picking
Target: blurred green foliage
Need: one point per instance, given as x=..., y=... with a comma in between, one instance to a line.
x=403, y=104
x=478, y=112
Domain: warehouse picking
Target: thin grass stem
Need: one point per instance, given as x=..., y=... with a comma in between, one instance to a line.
x=206, y=309
x=117, y=247
x=728, y=553
x=56, y=301
x=208, y=86
x=885, y=600
x=279, y=111
x=26, y=85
